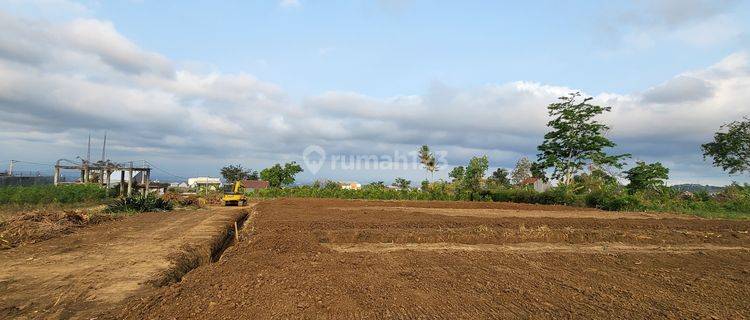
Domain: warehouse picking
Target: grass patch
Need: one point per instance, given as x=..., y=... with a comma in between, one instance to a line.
x=48, y=194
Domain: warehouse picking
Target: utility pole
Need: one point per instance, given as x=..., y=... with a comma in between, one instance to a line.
x=104, y=148
x=88, y=150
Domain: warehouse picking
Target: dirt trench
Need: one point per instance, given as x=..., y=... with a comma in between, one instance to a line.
x=81, y=274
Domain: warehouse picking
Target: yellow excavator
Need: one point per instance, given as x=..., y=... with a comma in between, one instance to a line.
x=234, y=195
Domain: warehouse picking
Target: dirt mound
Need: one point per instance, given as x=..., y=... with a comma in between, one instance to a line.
x=186, y=200
x=39, y=225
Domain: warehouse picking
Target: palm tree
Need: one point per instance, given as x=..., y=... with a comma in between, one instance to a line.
x=427, y=159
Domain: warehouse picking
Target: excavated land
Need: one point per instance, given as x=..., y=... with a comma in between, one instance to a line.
x=86, y=272
x=339, y=259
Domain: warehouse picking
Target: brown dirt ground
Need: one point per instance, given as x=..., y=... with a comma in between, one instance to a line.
x=452, y=263
x=83, y=273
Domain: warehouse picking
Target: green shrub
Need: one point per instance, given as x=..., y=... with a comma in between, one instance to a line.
x=139, y=203
x=75, y=193
x=610, y=200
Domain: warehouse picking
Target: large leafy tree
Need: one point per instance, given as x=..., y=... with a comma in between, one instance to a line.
x=281, y=176
x=645, y=176
x=457, y=174
x=522, y=171
x=427, y=159
x=472, y=178
x=730, y=150
x=232, y=173
x=576, y=138
x=401, y=183
x=499, y=178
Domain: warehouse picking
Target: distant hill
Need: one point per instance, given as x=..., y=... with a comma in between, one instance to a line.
x=692, y=187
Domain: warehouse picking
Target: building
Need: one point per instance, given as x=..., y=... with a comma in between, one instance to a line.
x=204, y=182
x=350, y=185
x=251, y=185
x=537, y=184
x=182, y=185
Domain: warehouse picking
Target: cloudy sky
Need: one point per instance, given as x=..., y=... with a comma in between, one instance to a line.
x=193, y=86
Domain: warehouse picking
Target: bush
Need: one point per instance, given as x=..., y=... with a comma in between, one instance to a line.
x=374, y=193
x=139, y=204
x=75, y=193
x=611, y=201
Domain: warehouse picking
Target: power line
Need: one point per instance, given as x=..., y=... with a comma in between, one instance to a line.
x=164, y=171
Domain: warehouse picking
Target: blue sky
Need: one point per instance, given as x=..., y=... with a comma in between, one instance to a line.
x=386, y=48
x=195, y=85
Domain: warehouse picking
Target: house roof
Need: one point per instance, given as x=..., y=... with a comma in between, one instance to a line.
x=203, y=180
x=255, y=184
x=529, y=181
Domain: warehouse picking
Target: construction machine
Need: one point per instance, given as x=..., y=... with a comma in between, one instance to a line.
x=234, y=195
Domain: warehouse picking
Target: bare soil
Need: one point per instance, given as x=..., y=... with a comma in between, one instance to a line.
x=314, y=258
x=86, y=272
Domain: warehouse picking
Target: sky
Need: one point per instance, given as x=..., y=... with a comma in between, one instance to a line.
x=192, y=86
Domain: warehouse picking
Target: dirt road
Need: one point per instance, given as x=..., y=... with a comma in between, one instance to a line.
x=81, y=274
x=339, y=259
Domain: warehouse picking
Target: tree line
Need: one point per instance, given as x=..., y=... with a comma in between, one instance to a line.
x=577, y=142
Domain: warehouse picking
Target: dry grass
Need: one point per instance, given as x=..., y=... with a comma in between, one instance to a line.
x=17, y=228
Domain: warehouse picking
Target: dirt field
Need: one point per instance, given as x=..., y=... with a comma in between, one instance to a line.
x=310, y=258
x=84, y=273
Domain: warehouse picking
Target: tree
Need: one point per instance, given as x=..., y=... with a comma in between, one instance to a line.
x=457, y=174
x=425, y=185
x=401, y=183
x=522, y=171
x=730, y=150
x=537, y=171
x=376, y=185
x=281, y=176
x=576, y=138
x=472, y=178
x=232, y=173
x=595, y=180
x=499, y=178
x=646, y=176
x=331, y=185
x=427, y=159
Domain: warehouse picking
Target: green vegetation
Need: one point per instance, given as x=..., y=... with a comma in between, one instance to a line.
x=281, y=176
x=730, y=150
x=427, y=159
x=139, y=203
x=402, y=184
x=62, y=194
x=576, y=139
x=470, y=185
x=522, y=171
x=232, y=173
x=646, y=176
x=732, y=202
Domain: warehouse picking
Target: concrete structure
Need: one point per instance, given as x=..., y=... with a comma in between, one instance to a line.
x=100, y=172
